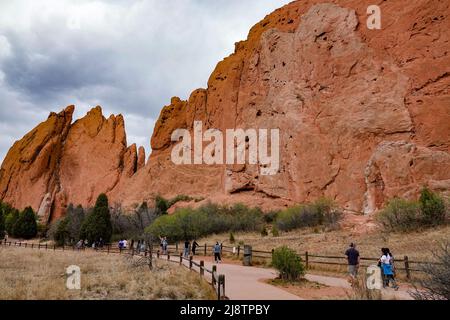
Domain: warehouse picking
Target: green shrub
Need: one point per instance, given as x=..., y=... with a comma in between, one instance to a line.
x=161, y=204
x=321, y=212
x=404, y=215
x=187, y=223
x=271, y=216
x=432, y=207
x=400, y=215
x=26, y=224
x=275, y=231
x=232, y=240
x=180, y=197
x=288, y=263
x=264, y=232
x=98, y=223
x=62, y=234
x=5, y=211
x=10, y=221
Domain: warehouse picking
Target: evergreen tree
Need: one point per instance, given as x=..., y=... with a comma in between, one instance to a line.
x=62, y=234
x=432, y=207
x=10, y=221
x=26, y=225
x=98, y=223
x=2, y=221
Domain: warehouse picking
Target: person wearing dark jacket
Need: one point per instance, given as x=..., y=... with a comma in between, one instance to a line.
x=353, y=260
x=194, y=247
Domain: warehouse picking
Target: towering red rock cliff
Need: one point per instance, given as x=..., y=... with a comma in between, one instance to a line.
x=364, y=115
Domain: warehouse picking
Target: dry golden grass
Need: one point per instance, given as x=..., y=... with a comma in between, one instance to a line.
x=32, y=274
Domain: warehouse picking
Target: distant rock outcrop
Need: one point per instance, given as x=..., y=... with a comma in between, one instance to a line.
x=364, y=116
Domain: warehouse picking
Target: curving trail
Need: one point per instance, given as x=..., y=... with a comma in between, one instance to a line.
x=246, y=283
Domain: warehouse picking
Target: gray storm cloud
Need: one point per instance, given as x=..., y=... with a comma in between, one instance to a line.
x=129, y=57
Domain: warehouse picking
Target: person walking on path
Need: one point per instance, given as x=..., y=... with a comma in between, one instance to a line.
x=194, y=247
x=353, y=261
x=387, y=266
x=186, y=248
x=165, y=244
x=217, y=249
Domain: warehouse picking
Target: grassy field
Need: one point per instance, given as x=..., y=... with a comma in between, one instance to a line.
x=417, y=245
x=32, y=274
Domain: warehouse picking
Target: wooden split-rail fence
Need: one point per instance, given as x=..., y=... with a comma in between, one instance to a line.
x=404, y=265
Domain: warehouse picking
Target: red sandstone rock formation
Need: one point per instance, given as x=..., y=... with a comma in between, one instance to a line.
x=364, y=116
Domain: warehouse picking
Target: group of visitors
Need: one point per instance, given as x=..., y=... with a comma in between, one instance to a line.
x=84, y=243
x=386, y=264
x=192, y=247
x=188, y=247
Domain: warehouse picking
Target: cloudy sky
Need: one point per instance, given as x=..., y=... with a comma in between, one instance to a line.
x=129, y=56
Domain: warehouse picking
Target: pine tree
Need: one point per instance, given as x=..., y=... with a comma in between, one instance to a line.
x=2, y=221
x=98, y=224
x=26, y=225
x=10, y=221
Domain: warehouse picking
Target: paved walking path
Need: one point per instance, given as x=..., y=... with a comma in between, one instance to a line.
x=246, y=283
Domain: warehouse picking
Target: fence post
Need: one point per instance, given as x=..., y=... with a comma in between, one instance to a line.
x=306, y=259
x=157, y=254
x=220, y=285
x=107, y=248
x=273, y=250
x=168, y=256
x=26, y=244
x=223, y=285
x=190, y=262
x=408, y=272
x=181, y=258
x=239, y=250
x=176, y=246
x=214, y=270
x=202, y=270
x=205, y=249
x=46, y=247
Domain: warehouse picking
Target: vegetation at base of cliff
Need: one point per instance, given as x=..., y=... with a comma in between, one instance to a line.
x=321, y=212
x=97, y=225
x=162, y=204
x=288, y=263
x=188, y=223
x=405, y=215
x=4, y=210
x=17, y=224
x=124, y=225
